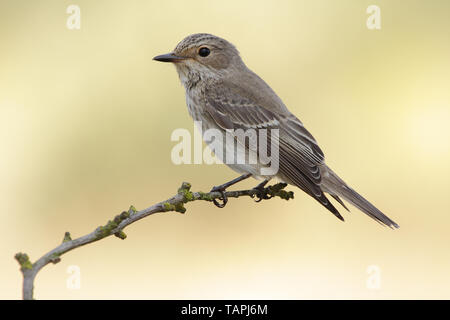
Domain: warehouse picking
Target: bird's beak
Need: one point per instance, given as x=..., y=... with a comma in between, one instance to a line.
x=169, y=57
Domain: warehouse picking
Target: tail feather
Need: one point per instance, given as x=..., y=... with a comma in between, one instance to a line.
x=340, y=202
x=336, y=187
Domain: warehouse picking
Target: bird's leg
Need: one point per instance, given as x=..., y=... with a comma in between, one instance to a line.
x=262, y=191
x=224, y=186
x=261, y=186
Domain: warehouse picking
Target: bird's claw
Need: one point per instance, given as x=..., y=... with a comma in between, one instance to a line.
x=224, y=197
x=263, y=194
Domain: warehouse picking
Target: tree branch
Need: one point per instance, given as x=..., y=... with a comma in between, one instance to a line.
x=121, y=221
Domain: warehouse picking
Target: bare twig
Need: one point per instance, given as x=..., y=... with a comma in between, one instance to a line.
x=116, y=226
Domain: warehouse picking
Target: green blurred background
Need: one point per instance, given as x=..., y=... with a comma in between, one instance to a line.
x=85, y=124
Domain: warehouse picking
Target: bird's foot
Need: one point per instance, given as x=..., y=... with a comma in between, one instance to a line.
x=263, y=193
x=224, y=197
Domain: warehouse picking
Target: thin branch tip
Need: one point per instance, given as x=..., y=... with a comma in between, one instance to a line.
x=24, y=261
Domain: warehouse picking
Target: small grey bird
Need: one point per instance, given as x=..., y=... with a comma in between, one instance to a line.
x=224, y=94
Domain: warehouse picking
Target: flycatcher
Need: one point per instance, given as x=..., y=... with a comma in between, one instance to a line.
x=223, y=94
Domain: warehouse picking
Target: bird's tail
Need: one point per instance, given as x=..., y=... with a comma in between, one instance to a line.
x=336, y=187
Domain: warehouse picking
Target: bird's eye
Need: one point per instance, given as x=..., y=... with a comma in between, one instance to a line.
x=204, y=52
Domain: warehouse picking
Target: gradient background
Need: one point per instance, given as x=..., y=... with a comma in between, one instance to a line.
x=85, y=124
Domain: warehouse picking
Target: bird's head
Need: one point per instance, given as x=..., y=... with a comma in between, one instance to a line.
x=201, y=56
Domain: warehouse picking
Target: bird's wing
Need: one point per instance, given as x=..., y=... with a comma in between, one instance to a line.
x=299, y=153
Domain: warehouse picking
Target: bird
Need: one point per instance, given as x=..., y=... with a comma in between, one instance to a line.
x=222, y=93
